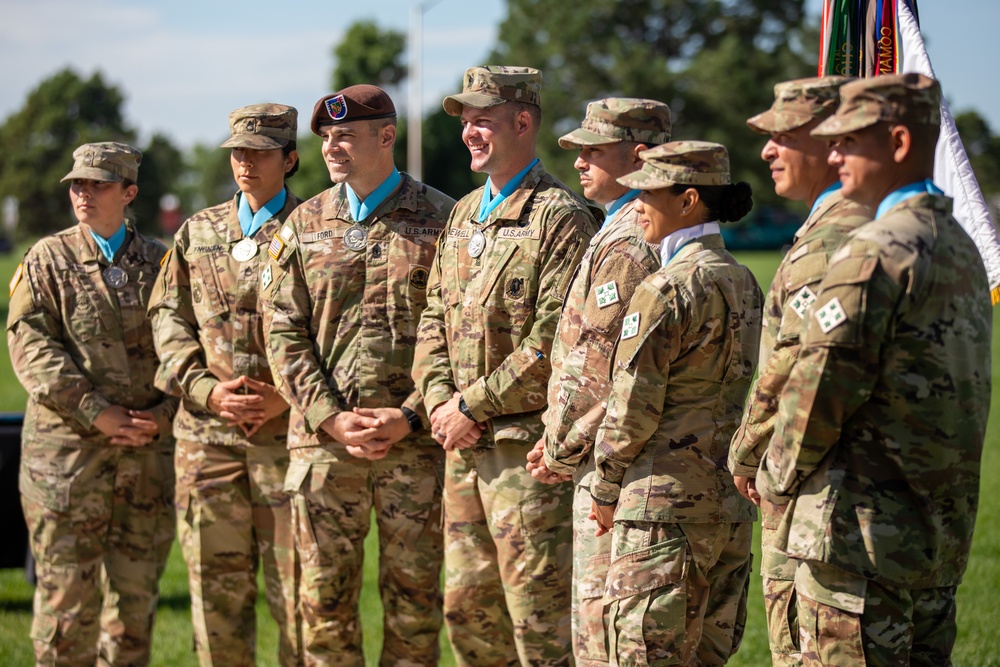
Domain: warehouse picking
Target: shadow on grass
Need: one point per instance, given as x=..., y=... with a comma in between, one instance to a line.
x=180, y=603
x=16, y=605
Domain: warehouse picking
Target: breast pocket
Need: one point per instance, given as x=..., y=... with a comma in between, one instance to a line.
x=207, y=294
x=87, y=311
x=509, y=292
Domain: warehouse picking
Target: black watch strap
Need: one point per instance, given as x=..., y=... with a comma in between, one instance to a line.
x=413, y=418
x=464, y=409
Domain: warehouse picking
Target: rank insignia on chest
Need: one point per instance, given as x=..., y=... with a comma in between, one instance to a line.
x=276, y=247
x=17, y=277
x=630, y=326
x=831, y=316
x=607, y=294
x=265, y=277
x=801, y=302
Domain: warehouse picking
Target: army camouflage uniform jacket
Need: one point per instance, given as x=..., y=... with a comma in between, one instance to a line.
x=682, y=369
x=793, y=290
x=206, y=315
x=342, y=324
x=79, y=346
x=490, y=321
x=616, y=261
x=881, y=424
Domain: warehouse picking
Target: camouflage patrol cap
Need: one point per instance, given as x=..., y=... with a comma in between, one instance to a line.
x=491, y=85
x=616, y=119
x=105, y=161
x=360, y=102
x=680, y=163
x=798, y=102
x=262, y=127
x=907, y=99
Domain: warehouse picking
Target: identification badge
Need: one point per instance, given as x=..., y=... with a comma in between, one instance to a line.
x=115, y=277
x=805, y=298
x=630, y=326
x=607, y=294
x=356, y=238
x=831, y=316
x=477, y=243
x=244, y=250
x=265, y=277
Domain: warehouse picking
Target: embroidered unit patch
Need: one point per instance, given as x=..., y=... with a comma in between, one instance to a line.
x=630, y=326
x=831, y=316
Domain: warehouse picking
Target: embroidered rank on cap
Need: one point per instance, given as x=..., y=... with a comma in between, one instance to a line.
x=805, y=298
x=607, y=294
x=337, y=107
x=266, y=277
x=630, y=326
x=17, y=277
x=831, y=316
x=276, y=247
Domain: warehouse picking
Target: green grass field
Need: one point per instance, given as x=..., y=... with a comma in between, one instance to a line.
x=978, y=611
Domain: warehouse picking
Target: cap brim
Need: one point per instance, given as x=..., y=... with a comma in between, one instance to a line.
x=772, y=121
x=838, y=125
x=255, y=142
x=581, y=137
x=453, y=104
x=92, y=174
x=644, y=180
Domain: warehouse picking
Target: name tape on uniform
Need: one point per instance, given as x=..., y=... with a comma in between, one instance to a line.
x=419, y=232
x=518, y=233
x=459, y=233
x=326, y=234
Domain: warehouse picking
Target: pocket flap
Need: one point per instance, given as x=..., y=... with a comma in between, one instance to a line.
x=646, y=569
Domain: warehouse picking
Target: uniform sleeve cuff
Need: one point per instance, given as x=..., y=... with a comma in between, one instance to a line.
x=436, y=396
x=201, y=390
x=91, y=406
x=415, y=403
x=555, y=466
x=605, y=493
x=476, y=401
x=318, y=413
x=742, y=470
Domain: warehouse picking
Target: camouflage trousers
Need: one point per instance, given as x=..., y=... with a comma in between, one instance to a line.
x=778, y=572
x=333, y=494
x=848, y=620
x=508, y=569
x=232, y=513
x=591, y=558
x=101, y=527
x=677, y=592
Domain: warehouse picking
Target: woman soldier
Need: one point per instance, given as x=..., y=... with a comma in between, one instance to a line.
x=232, y=425
x=681, y=531
x=97, y=454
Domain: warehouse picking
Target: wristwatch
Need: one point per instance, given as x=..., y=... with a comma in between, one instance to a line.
x=413, y=418
x=464, y=409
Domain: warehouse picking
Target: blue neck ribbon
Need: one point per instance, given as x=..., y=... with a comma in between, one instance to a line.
x=925, y=186
x=250, y=222
x=490, y=203
x=617, y=205
x=362, y=209
x=823, y=196
x=111, y=245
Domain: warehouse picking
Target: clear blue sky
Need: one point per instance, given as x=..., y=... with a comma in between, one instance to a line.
x=184, y=64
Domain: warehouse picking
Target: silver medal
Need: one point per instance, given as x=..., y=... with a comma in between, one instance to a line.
x=244, y=250
x=115, y=277
x=356, y=238
x=477, y=243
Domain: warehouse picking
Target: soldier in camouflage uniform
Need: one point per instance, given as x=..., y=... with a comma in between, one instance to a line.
x=344, y=292
x=681, y=531
x=483, y=357
x=231, y=428
x=801, y=172
x=612, y=135
x=96, y=465
x=881, y=423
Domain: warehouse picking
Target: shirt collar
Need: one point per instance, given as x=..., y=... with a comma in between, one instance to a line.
x=112, y=244
x=674, y=241
x=925, y=186
x=489, y=203
x=617, y=205
x=360, y=210
x=250, y=222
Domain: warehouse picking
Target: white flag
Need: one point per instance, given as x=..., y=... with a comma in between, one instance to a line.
x=952, y=171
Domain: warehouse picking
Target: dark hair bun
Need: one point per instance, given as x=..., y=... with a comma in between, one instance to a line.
x=736, y=202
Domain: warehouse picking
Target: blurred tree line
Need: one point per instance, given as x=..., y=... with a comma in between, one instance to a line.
x=713, y=61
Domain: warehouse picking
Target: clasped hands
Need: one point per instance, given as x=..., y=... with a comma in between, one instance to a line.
x=246, y=403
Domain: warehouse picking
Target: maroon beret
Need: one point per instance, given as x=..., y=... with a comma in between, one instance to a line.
x=361, y=102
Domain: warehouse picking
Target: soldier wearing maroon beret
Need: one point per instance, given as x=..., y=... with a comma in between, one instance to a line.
x=344, y=291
